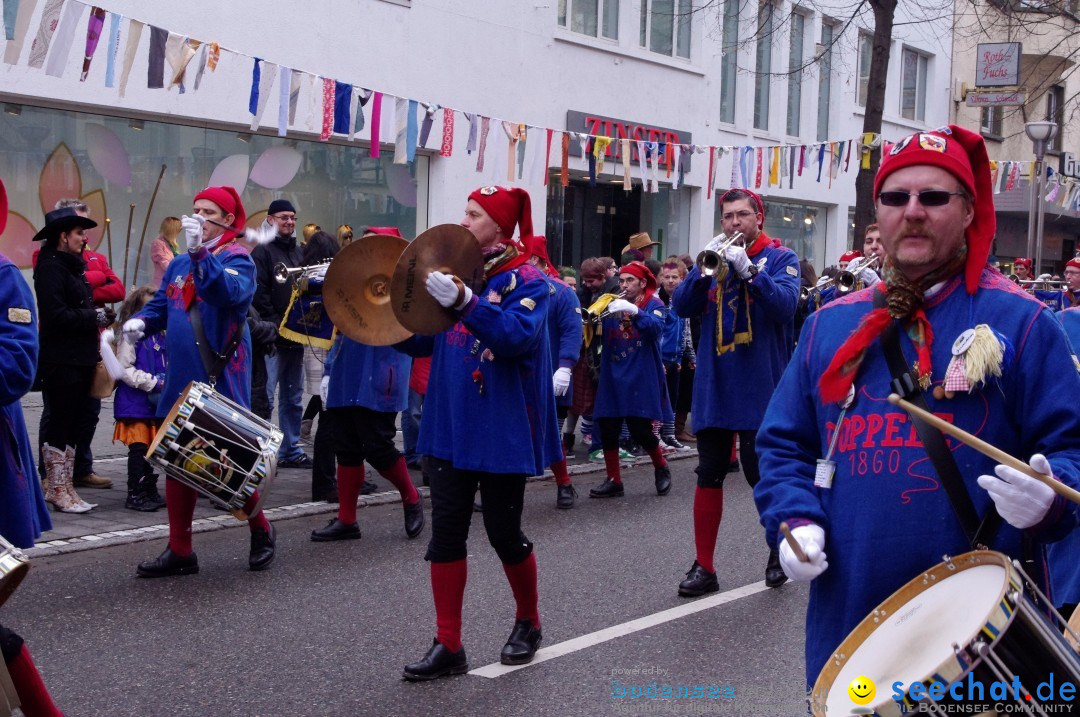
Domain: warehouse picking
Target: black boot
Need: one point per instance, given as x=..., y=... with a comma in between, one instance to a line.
x=262, y=548
x=414, y=517
x=774, y=574
x=522, y=644
x=662, y=477
x=438, y=662
x=698, y=582
x=564, y=496
x=168, y=563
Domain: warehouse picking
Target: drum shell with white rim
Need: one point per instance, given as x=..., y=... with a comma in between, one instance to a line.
x=217, y=447
x=13, y=568
x=973, y=614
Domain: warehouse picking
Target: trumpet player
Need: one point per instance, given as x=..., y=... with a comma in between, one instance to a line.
x=747, y=334
x=285, y=368
x=1070, y=296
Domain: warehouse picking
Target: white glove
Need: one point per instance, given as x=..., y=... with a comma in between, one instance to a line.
x=869, y=277
x=562, y=381
x=811, y=538
x=442, y=287
x=716, y=242
x=1020, y=499
x=324, y=390
x=134, y=330
x=622, y=306
x=740, y=262
x=192, y=227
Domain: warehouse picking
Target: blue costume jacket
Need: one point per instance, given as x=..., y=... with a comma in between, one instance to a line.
x=490, y=404
x=564, y=332
x=1062, y=555
x=375, y=377
x=631, y=372
x=731, y=390
x=23, y=513
x=224, y=284
x=886, y=517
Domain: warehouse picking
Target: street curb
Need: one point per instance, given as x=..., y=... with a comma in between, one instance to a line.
x=284, y=512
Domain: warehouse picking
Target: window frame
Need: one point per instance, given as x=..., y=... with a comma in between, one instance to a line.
x=565, y=19
x=763, y=65
x=862, y=81
x=992, y=121
x=922, y=74
x=1055, y=112
x=794, y=78
x=825, y=81
x=681, y=29
x=729, y=75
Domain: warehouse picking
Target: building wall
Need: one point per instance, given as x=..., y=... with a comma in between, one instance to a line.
x=507, y=60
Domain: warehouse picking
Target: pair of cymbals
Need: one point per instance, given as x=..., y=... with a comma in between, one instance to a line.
x=375, y=289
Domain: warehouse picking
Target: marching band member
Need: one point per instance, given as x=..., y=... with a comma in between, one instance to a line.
x=872, y=246
x=364, y=388
x=872, y=512
x=747, y=332
x=215, y=277
x=1070, y=296
x=564, y=338
x=632, y=387
x=1022, y=268
x=489, y=422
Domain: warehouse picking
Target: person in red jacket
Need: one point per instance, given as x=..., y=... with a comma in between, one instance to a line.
x=107, y=289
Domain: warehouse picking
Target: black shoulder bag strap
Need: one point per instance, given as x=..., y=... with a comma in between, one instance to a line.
x=979, y=533
x=213, y=362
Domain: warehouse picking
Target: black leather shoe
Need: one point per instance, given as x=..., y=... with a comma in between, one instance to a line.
x=698, y=582
x=438, y=662
x=522, y=644
x=607, y=489
x=262, y=549
x=368, y=488
x=564, y=496
x=336, y=530
x=140, y=502
x=168, y=563
x=414, y=518
x=774, y=574
x=663, y=480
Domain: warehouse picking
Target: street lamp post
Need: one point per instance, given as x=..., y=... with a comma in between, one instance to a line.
x=1040, y=134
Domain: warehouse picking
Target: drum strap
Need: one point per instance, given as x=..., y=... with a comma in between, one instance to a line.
x=213, y=362
x=979, y=533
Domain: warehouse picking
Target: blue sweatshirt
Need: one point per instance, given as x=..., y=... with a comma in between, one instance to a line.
x=886, y=517
x=490, y=403
x=564, y=331
x=631, y=371
x=375, y=377
x=224, y=285
x=731, y=390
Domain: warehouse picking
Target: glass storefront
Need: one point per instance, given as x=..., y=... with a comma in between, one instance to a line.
x=114, y=164
x=800, y=227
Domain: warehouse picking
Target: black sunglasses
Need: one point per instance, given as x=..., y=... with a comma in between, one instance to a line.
x=927, y=197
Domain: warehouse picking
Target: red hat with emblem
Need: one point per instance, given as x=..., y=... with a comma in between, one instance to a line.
x=961, y=153
x=229, y=200
x=1074, y=263
x=638, y=269
x=1023, y=261
x=508, y=207
x=851, y=255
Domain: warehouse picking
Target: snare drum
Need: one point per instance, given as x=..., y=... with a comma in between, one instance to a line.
x=972, y=618
x=218, y=448
x=13, y=568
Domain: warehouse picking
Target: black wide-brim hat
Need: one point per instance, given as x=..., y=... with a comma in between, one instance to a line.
x=63, y=220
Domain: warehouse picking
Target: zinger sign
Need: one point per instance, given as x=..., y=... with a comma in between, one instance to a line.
x=998, y=64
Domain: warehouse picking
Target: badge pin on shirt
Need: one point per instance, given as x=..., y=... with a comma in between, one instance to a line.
x=977, y=355
x=826, y=467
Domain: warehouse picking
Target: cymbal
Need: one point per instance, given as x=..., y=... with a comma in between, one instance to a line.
x=356, y=292
x=449, y=248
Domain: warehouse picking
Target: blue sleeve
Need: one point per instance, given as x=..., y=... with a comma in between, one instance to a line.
x=788, y=446
x=225, y=280
x=776, y=288
x=648, y=323
x=691, y=295
x=155, y=313
x=416, y=346
x=512, y=327
x=18, y=336
x=570, y=328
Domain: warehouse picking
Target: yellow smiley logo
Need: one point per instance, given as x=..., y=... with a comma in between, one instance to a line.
x=862, y=690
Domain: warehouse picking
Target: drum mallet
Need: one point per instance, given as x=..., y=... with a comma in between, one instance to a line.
x=983, y=447
x=793, y=544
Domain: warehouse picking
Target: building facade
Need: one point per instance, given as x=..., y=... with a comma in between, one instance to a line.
x=723, y=74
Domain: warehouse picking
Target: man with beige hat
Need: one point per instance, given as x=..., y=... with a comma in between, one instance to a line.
x=642, y=242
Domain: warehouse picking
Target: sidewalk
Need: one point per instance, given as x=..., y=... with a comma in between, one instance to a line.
x=289, y=496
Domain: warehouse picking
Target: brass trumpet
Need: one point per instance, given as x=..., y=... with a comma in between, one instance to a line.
x=283, y=273
x=711, y=261
x=847, y=280
x=1042, y=283
x=592, y=316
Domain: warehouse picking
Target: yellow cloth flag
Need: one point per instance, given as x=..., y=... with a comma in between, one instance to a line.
x=600, y=145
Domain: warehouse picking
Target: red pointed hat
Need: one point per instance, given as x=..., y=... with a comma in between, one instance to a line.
x=508, y=207
x=537, y=246
x=229, y=200
x=382, y=231
x=961, y=153
x=851, y=255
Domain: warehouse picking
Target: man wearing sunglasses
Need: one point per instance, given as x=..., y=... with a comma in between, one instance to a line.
x=868, y=502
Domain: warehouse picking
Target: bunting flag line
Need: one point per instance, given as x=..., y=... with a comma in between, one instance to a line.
x=564, y=162
x=447, y=148
x=50, y=18
x=135, y=29
x=376, y=123
x=155, y=67
x=113, y=49
x=93, y=35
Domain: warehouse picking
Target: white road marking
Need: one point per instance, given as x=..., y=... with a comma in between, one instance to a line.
x=544, y=654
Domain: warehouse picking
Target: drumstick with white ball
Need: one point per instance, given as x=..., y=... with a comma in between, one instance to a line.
x=793, y=544
x=985, y=448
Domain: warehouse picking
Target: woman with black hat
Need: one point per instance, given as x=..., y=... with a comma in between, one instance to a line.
x=69, y=324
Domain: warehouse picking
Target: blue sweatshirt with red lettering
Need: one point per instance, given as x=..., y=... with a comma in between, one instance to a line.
x=490, y=404
x=631, y=370
x=886, y=517
x=731, y=390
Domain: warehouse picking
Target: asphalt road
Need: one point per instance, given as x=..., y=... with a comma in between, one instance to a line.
x=327, y=629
